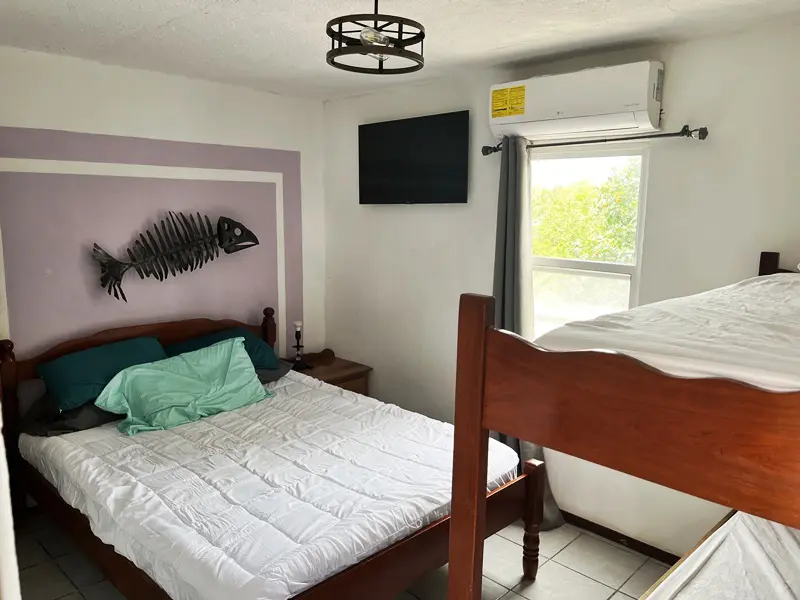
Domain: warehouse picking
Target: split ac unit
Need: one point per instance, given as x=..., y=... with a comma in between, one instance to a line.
x=602, y=102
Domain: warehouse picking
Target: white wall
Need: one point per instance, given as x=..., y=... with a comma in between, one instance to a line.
x=55, y=92
x=395, y=272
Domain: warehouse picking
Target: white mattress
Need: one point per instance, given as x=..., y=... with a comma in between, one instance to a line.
x=748, y=558
x=265, y=501
x=748, y=332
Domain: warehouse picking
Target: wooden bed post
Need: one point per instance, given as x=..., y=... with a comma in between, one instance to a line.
x=533, y=515
x=10, y=412
x=268, y=329
x=470, y=451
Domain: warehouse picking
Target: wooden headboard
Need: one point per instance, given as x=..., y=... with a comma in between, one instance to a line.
x=167, y=333
x=13, y=372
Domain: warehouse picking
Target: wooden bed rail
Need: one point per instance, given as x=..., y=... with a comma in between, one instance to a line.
x=720, y=440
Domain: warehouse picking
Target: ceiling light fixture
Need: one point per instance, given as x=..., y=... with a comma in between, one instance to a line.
x=375, y=44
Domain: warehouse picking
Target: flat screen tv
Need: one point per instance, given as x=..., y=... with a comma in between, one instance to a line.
x=414, y=161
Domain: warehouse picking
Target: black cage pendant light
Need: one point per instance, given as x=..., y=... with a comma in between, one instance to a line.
x=376, y=44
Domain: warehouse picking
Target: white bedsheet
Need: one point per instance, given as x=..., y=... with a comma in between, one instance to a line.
x=748, y=558
x=748, y=332
x=265, y=501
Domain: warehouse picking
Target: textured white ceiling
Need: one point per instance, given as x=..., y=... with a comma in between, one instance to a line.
x=280, y=45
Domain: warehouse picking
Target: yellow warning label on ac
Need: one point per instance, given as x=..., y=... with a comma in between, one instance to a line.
x=508, y=102
x=516, y=101
x=500, y=103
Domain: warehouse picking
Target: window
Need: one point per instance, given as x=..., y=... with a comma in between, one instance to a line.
x=585, y=222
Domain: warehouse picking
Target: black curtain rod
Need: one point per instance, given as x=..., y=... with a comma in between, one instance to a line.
x=700, y=133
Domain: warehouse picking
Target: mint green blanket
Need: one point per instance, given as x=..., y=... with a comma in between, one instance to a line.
x=184, y=388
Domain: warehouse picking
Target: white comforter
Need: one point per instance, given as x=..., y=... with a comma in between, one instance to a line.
x=265, y=501
x=748, y=558
x=748, y=332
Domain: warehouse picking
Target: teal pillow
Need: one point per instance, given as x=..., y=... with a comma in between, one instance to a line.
x=261, y=353
x=183, y=388
x=77, y=378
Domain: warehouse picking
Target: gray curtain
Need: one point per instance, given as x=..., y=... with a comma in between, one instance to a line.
x=514, y=191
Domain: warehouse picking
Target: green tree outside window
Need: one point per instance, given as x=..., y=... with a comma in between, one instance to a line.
x=587, y=220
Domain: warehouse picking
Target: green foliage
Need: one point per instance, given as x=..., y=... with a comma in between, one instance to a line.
x=586, y=221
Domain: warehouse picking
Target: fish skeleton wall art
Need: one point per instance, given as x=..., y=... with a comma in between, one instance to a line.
x=176, y=245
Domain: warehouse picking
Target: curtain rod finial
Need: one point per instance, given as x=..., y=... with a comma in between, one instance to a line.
x=700, y=133
x=487, y=150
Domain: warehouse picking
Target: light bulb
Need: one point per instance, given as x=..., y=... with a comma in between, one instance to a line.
x=373, y=37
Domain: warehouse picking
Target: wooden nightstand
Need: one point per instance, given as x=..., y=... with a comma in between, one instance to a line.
x=328, y=367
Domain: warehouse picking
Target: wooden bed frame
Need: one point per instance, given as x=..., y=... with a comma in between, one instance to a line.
x=381, y=576
x=683, y=558
x=716, y=439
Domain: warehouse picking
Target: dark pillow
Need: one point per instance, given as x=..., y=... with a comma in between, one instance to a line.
x=269, y=375
x=77, y=378
x=69, y=421
x=29, y=393
x=35, y=405
x=262, y=355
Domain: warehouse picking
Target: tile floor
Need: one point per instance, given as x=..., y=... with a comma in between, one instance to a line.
x=51, y=567
x=575, y=565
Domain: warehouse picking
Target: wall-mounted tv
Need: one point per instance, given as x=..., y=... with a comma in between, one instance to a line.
x=415, y=161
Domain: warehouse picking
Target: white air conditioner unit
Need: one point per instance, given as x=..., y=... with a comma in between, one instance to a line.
x=602, y=102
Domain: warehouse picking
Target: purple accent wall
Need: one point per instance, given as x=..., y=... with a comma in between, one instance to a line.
x=49, y=223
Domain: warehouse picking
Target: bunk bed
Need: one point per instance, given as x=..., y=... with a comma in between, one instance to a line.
x=719, y=420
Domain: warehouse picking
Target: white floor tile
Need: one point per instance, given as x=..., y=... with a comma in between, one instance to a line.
x=513, y=533
x=641, y=581
x=29, y=552
x=550, y=542
x=621, y=596
x=554, y=541
x=433, y=586
x=608, y=564
x=556, y=582
x=44, y=582
x=502, y=561
x=512, y=596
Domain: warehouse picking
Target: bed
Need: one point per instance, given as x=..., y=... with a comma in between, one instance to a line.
x=743, y=558
x=707, y=405
x=315, y=493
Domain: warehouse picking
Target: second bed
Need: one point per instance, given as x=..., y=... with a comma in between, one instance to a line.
x=747, y=332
